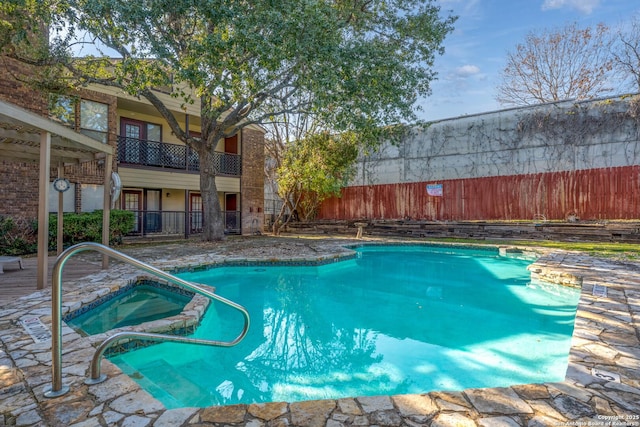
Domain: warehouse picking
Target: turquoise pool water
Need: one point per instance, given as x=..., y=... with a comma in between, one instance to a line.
x=140, y=304
x=395, y=320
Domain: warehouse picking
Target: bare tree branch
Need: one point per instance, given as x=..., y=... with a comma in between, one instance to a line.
x=569, y=63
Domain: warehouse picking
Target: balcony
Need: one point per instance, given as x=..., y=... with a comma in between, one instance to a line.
x=146, y=153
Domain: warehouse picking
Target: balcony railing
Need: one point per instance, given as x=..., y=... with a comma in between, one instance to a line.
x=133, y=151
x=149, y=223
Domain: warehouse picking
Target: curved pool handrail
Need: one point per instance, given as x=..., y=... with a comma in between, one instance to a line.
x=57, y=388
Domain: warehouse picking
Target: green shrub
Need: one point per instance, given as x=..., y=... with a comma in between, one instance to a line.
x=87, y=227
x=20, y=236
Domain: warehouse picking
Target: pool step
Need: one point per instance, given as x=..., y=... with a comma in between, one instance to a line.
x=171, y=380
x=144, y=310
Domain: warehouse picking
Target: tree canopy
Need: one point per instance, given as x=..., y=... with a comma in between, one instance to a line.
x=312, y=169
x=364, y=62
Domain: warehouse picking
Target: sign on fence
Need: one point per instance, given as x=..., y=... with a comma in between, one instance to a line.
x=434, y=190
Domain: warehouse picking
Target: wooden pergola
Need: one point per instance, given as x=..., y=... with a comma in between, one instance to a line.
x=26, y=136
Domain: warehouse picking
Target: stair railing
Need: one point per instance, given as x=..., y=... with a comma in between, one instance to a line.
x=59, y=389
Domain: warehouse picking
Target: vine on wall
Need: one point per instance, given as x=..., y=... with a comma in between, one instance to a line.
x=563, y=137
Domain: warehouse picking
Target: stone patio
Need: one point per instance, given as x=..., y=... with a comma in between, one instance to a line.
x=602, y=386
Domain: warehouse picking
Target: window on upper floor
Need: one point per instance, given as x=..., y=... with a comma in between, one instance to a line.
x=94, y=121
x=88, y=117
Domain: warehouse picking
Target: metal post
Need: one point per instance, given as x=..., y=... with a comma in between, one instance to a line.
x=57, y=388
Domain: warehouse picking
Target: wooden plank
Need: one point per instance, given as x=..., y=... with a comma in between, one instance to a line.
x=65, y=155
x=594, y=194
x=16, y=283
x=43, y=208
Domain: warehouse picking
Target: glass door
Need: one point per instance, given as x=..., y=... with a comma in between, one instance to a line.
x=195, y=212
x=153, y=214
x=132, y=201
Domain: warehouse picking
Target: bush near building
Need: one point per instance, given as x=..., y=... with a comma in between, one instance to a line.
x=20, y=237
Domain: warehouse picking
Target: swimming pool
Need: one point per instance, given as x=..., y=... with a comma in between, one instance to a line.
x=394, y=320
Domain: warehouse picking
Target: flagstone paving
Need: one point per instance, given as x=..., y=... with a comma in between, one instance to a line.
x=602, y=385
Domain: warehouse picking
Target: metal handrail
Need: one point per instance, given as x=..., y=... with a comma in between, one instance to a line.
x=57, y=388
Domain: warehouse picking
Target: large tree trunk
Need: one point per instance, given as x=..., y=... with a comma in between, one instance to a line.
x=213, y=223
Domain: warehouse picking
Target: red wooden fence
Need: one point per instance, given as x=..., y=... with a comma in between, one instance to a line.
x=593, y=194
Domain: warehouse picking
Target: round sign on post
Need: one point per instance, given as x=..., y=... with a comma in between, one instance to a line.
x=61, y=185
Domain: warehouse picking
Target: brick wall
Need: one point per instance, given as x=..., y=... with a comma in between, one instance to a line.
x=18, y=189
x=20, y=179
x=252, y=181
x=16, y=92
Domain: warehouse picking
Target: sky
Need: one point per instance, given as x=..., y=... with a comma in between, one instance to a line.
x=475, y=52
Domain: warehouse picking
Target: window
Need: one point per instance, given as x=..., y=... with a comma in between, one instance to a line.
x=154, y=132
x=84, y=116
x=62, y=109
x=92, y=197
x=94, y=120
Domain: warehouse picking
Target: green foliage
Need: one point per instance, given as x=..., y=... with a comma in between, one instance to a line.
x=20, y=237
x=359, y=66
x=364, y=62
x=87, y=227
x=314, y=168
x=613, y=250
x=17, y=237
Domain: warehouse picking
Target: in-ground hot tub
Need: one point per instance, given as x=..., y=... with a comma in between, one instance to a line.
x=134, y=304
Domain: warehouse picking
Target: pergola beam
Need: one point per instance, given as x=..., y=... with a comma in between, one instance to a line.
x=43, y=210
x=32, y=151
x=62, y=136
x=26, y=136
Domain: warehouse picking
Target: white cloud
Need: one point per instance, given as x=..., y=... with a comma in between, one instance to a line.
x=467, y=70
x=583, y=6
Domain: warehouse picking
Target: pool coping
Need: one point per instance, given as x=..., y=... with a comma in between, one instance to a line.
x=605, y=339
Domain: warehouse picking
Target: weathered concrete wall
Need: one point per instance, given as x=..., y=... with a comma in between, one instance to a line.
x=556, y=161
x=542, y=139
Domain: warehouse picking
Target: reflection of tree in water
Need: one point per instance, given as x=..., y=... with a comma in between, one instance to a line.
x=303, y=346
x=291, y=345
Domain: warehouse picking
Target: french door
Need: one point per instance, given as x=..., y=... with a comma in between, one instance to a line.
x=142, y=142
x=146, y=208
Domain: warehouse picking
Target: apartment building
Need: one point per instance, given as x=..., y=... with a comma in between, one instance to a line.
x=159, y=175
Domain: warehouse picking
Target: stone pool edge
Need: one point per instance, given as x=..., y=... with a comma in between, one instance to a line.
x=605, y=338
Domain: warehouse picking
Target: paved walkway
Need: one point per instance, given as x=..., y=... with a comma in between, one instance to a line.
x=602, y=385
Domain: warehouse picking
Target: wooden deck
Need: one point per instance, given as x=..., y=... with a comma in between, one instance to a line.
x=15, y=283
